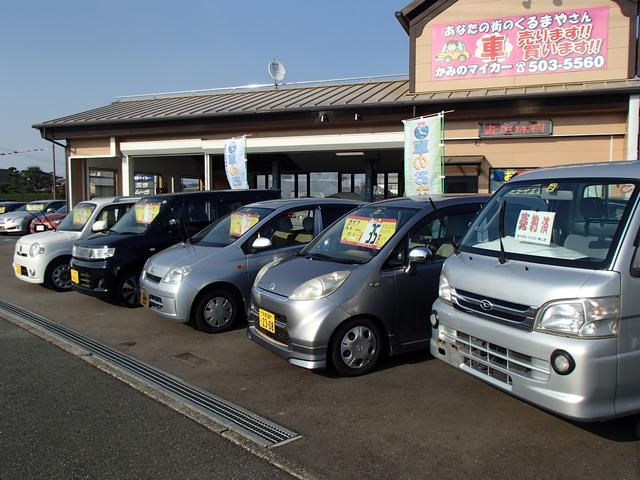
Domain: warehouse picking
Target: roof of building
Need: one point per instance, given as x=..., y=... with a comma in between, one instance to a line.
x=286, y=99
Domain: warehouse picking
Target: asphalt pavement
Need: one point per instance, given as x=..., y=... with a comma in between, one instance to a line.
x=412, y=418
x=61, y=418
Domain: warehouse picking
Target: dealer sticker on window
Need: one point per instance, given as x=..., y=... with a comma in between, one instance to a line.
x=241, y=222
x=147, y=212
x=81, y=215
x=35, y=207
x=368, y=232
x=535, y=227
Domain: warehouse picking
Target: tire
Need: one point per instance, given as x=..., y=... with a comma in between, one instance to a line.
x=462, y=58
x=57, y=276
x=128, y=290
x=356, y=347
x=217, y=310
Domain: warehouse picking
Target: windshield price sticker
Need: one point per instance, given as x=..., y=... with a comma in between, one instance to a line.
x=147, y=212
x=368, y=232
x=241, y=222
x=2, y=209
x=81, y=215
x=35, y=207
x=535, y=227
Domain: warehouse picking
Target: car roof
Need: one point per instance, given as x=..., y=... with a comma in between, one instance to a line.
x=48, y=200
x=12, y=202
x=304, y=201
x=623, y=169
x=251, y=191
x=99, y=201
x=440, y=201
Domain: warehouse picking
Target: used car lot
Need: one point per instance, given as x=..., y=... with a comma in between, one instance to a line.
x=383, y=424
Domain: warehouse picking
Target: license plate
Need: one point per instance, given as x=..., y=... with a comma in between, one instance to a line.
x=39, y=228
x=144, y=299
x=18, y=270
x=75, y=278
x=267, y=320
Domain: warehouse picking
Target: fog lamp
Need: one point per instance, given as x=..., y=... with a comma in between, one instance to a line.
x=433, y=318
x=562, y=362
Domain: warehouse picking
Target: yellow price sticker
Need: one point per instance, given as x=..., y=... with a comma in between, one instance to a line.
x=2, y=209
x=81, y=215
x=241, y=222
x=552, y=187
x=35, y=207
x=147, y=212
x=367, y=232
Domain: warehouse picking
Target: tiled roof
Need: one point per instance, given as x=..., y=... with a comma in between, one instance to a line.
x=284, y=99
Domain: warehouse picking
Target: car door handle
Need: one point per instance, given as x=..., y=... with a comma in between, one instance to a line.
x=152, y=249
x=374, y=284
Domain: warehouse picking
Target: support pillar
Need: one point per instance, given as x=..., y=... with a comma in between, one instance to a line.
x=127, y=176
x=369, y=179
x=208, y=173
x=275, y=175
x=632, y=127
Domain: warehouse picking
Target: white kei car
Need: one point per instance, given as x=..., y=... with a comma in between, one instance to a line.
x=44, y=257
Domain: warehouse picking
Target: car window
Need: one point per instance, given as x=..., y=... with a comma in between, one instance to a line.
x=293, y=227
x=333, y=213
x=112, y=213
x=440, y=233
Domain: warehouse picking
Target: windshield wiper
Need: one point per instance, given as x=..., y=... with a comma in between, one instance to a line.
x=502, y=259
x=454, y=244
x=323, y=256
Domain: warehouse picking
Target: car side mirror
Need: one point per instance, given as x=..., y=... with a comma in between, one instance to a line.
x=99, y=226
x=418, y=256
x=50, y=210
x=261, y=243
x=174, y=222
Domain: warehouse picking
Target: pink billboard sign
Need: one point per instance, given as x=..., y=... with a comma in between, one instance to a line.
x=561, y=42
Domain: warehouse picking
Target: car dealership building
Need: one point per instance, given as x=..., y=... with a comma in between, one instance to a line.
x=525, y=85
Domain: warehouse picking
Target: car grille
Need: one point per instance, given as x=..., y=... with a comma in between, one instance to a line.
x=512, y=314
x=85, y=279
x=153, y=278
x=497, y=362
x=281, y=334
x=155, y=302
x=82, y=252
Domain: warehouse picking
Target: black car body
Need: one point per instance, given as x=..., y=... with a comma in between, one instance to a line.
x=108, y=265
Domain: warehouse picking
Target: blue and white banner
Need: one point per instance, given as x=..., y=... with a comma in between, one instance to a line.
x=423, y=155
x=235, y=162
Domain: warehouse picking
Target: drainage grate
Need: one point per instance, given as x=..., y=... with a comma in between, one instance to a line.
x=236, y=418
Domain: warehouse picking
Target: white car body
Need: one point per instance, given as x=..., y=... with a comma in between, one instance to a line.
x=55, y=244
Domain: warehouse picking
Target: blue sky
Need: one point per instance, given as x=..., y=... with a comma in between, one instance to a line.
x=64, y=57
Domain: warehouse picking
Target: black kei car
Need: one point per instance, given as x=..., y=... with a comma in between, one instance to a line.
x=108, y=265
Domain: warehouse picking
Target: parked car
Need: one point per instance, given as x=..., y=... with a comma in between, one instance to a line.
x=363, y=288
x=18, y=221
x=542, y=302
x=44, y=257
x=10, y=206
x=50, y=222
x=208, y=280
x=108, y=265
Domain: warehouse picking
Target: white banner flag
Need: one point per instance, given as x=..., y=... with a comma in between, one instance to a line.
x=423, y=147
x=235, y=163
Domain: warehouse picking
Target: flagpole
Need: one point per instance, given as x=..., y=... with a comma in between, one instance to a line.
x=428, y=116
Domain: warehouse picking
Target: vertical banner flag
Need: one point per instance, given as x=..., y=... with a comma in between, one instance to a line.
x=423, y=160
x=235, y=162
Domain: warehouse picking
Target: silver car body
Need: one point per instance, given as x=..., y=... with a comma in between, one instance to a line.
x=472, y=333
x=55, y=244
x=229, y=267
x=18, y=221
x=398, y=301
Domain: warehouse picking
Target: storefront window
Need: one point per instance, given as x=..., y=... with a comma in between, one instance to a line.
x=189, y=184
x=102, y=183
x=303, y=185
x=359, y=182
x=323, y=184
x=288, y=185
x=264, y=181
x=345, y=180
x=498, y=176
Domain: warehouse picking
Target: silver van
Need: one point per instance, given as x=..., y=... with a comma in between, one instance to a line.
x=542, y=300
x=208, y=279
x=363, y=288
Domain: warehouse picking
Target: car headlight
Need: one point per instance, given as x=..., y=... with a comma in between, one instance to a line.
x=176, y=275
x=320, y=287
x=444, y=289
x=264, y=269
x=35, y=249
x=101, y=253
x=581, y=317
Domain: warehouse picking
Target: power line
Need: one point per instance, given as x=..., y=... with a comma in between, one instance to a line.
x=14, y=152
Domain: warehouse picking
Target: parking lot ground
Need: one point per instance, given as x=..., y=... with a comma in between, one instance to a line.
x=62, y=418
x=412, y=418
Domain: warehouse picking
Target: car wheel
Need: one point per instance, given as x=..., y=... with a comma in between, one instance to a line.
x=129, y=290
x=356, y=347
x=216, y=311
x=57, y=275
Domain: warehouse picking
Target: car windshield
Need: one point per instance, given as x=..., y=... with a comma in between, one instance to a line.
x=568, y=222
x=143, y=214
x=360, y=235
x=231, y=227
x=78, y=218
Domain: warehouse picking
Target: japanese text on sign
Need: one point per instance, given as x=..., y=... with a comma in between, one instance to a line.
x=241, y=222
x=516, y=128
x=147, y=212
x=535, y=227
x=367, y=232
x=566, y=41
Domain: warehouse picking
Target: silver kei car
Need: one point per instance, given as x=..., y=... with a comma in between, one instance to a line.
x=208, y=279
x=363, y=288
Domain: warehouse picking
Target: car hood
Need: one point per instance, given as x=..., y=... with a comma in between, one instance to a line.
x=526, y=283
x=105, y=240
x=15, y=214
x=49, y=238
x=181, y=255
x=292, y=272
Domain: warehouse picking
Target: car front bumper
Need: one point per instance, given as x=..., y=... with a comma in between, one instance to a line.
x=31, y=269
x=170, y=301
x=519, y=362
x=95, y=278
x=302, y=329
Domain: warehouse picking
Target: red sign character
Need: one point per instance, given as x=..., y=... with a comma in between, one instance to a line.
x=533, y=226
x=524, y=220
x=545, y=225
x=493, y=47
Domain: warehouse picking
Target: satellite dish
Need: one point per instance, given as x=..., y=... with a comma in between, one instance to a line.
x=277, y=71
